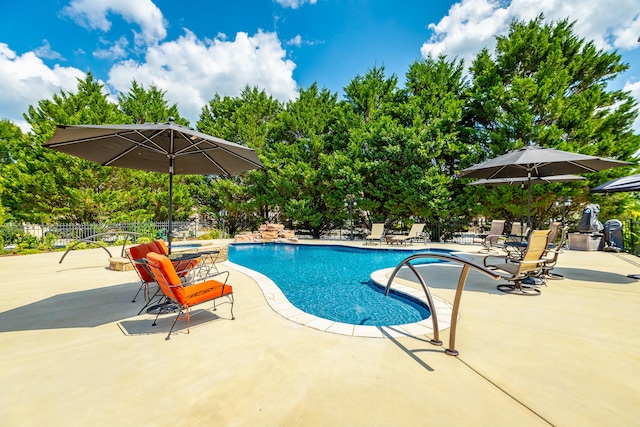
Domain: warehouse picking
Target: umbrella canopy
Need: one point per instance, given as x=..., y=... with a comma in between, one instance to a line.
x=532, y=162
x=537, y=161
x=155, y=147
x=627, y=183
x=525, y=180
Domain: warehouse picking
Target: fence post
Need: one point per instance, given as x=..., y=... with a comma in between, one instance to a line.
x=632, y=236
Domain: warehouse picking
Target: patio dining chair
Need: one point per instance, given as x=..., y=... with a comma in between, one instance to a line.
x=519, y=232
x=186, y=294
x=495, y=234
x=551, y=257
x=555, y=230
x=517, y=270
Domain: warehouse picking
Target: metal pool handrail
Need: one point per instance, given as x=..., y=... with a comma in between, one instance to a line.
x=92, y=240
x=467, y=266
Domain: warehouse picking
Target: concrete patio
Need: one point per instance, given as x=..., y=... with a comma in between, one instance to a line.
x=75, y=353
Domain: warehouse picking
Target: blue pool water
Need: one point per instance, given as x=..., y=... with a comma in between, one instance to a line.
x=333, y=282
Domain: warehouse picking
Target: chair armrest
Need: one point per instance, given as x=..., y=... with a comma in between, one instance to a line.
x=491, y=236
x=534, y=261
x=191, y=280
x=496, y=257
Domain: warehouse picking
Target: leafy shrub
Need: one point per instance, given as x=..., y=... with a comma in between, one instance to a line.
x=26, y=241
x=212, y=234
x=9, y=233
x=49, y=241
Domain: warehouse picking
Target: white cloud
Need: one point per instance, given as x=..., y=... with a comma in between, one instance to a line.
x=25, y=79
x=627, y=36
x=634, y=89
x=192, y=71
x=92, y=14
x=296, y=41
x=294, y=4
x=114, y=52
x=471, y=25
x=46, y=52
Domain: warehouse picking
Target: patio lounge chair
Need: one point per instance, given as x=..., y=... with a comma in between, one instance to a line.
x=555, y=229
x=516, y=249
x=186, y=294
x=551, y=257
x=377, y=232
x=138, y=253
x=494, y=236
x=531, y=264
x=416, y=232
x=519, y=232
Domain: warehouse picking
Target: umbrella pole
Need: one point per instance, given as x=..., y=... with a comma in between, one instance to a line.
x=529, y=201
x=522, y=209
x=169, y=233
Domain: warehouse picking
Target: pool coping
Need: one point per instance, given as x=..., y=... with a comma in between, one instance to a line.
x=281, y=305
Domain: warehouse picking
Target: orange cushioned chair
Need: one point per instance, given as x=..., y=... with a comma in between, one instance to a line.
x=138, y=253
x=185, y=294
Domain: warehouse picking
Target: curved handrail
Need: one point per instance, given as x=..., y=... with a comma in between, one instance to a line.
x=93, y=236
x=467, y=266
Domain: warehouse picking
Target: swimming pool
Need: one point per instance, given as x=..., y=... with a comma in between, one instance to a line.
x=333, y=282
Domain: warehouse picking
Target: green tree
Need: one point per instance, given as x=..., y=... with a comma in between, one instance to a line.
x=375, y=141
x=245, y=120
x=48, y=186
x=309, y=175
x=546, y=86
x=10, y=136
x=149, y=200
x=148, y=105
x=45, y=185
x=434, y=110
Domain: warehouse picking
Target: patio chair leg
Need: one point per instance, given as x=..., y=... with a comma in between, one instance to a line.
x=173, y=326
x=553, y=276
x=150, y=301
x=518, y=289
x=136, y=295
x=156, y=319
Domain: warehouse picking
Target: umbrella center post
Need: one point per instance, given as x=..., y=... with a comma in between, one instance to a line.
x=170, y=232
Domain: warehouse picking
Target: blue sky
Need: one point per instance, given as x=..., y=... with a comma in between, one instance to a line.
x=195, y=49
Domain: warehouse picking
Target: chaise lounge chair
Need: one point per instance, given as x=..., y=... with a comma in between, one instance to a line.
x=516, y=270
x=377, y=232
x=416, y=232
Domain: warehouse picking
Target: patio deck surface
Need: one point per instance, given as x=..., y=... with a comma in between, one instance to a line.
x=75, y=353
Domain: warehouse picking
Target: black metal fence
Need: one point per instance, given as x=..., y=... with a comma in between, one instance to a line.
x=456, y=230
x=631, y=233
x=60, y=235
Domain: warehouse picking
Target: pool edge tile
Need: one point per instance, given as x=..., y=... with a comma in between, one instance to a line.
x=280, y=304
